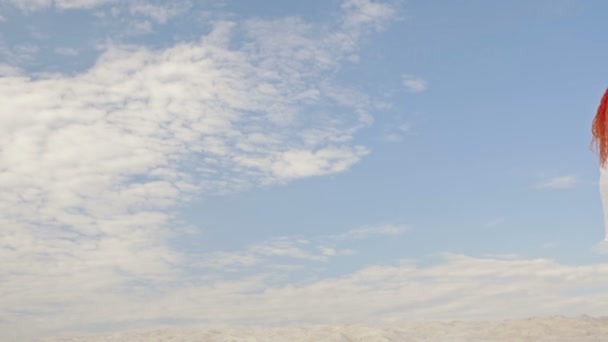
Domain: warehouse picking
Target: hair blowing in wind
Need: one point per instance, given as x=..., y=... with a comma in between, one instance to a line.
x=599, y=129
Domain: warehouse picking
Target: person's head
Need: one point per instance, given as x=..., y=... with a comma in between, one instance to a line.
x=599, y=129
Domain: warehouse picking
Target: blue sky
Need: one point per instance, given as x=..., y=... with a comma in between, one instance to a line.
x=271, y=162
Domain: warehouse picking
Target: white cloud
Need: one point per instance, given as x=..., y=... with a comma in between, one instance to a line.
x=287, y=247
x=328, y=251
x=23, y=53
x=458, y=287
x=160, y=13
x=383, y=105
x=287, y=251
x=227, y=260
x=367, y=13
x=8, y=70
x=16, y=55
x=405, y=128
x=32, y=5
x=555, y=328
x=601, y=247
x=273, y=252
x=549, y=245
x=414, y=84
x=66, y=51
x=402, y=129
x=392, y=137
x=561, y=182
x=495, y=222
x=81, y=3
x=297, y=164
x=365, y=232
x=93, y=164
x=138, y=28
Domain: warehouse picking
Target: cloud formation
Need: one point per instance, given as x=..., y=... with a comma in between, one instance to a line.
x=290, y=249
x=369, y=231
x=159, y=12
x=92, y=165
x=396, y=135
x=33, y=5
x=457, y=287
x=561, y=182
x=414, y=84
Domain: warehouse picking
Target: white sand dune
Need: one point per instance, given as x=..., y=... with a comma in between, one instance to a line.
x=532, y=329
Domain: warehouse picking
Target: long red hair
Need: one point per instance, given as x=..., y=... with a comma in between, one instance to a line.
x=600, y=130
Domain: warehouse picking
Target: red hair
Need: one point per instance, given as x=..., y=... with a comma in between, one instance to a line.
x=600, y=130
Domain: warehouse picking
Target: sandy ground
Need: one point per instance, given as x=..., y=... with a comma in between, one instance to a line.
x=532, y=329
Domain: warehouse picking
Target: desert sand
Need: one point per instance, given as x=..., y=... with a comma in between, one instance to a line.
x=557, y=328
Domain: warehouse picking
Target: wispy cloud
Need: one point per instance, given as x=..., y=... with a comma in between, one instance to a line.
x=549, y=244
x=499, y=221
x=561, y=182
x=405, y=127
x=457, y=287
x=287, y=247
x=276, y=250
x=398, y=134
x=414, y=84
x=20, y=54
x=392, y=137
x=226, y=260
x=66, y=51
x=367, y=13
x=369, y=231
x=160, y=13
x=601, y=247
x=32, y=5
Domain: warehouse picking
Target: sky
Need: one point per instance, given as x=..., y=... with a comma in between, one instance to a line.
x=275, y=163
